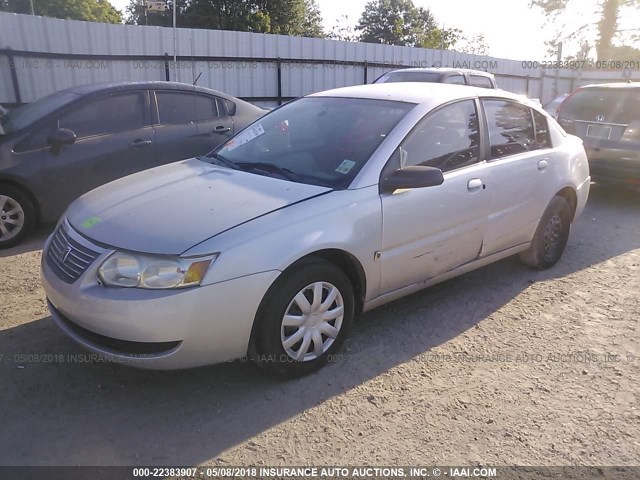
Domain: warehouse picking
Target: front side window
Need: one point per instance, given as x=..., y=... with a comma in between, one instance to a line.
x=447, y=139
x=318, y=140
x=511, y=129
x=112, y=114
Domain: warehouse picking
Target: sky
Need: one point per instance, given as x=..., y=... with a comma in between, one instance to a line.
x=510, y=27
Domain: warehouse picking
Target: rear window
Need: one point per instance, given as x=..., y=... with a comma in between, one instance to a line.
x=606, y=105
x=394, y=77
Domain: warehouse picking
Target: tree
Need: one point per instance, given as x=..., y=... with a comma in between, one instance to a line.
x=342, y=30
x=474, y=45
x=87, y=10
x=400, y=22
x=607, y=25
x=284, y=17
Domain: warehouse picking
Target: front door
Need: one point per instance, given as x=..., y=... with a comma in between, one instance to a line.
x=112, y=141
x=428, y=231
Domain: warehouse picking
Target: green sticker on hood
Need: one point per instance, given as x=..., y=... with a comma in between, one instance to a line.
x=90, y=222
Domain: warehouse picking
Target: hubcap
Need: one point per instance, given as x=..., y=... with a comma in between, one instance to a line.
x=312, y=321
x=552, y=235
x=11, y=218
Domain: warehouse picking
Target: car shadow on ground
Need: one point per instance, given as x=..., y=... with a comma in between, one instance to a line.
x=33, y=242
x=60, y=406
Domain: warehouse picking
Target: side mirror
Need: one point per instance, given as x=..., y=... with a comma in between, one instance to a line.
x=411, y=177
x=62, y=136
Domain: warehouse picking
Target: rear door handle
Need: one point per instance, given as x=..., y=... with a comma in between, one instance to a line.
x=140, y=143
x=542, y=164
x=222, y=129
x=475, y=184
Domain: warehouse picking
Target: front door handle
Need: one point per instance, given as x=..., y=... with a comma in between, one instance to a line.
x=222, y=129
x=542, y=164
x=140, y=143
x=475, y=184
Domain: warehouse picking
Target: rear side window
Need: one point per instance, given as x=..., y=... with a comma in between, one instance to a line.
x=112, y=114
x=447, y=139
x=543, y=139
x=480, y=81
x=222, y=107
x=206, y=107
x=176, y=107
x=457, y=79
x=410, y=77
x=511, y=129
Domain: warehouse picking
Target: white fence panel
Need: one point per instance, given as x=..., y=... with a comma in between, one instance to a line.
x=51, y=54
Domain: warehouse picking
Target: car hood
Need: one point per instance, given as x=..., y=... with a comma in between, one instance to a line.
x=169, y=209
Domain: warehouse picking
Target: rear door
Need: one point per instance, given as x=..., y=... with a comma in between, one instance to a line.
x=521, y=161
x=428, y=231
x=176, y=132
x=214, y=124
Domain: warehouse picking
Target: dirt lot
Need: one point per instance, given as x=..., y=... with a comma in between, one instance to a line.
x=501, y=366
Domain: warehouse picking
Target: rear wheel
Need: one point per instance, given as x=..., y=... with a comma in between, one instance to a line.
x=551, y=236
x=17, y=216
x=304, y=318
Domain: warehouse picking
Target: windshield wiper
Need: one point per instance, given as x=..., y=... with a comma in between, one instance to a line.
x=223, y=161
x=284, y=172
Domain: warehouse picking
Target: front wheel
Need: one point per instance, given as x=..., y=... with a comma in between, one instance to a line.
x=551, y=235
x=304, y=318
x=17, y=216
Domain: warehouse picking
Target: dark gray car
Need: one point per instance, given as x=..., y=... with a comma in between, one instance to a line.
x=57, y=148
x=607, y=118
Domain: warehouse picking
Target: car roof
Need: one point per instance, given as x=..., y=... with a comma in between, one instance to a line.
x=613, y=85
x=419, y=92
x=444, y=70
x=94, y=88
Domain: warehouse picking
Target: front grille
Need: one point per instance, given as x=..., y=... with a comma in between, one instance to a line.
x=67, y=258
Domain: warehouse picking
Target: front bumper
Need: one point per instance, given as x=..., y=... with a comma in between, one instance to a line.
x=157, y=329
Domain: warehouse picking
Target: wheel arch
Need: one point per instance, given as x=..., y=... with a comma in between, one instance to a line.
x=345, y=261
x=23, y=188
x=570, y=195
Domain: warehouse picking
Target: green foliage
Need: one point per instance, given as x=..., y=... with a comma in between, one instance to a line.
x=473, y=44
x=400, y=22
x=87, y=10
x=609, y=11
x=283, y=17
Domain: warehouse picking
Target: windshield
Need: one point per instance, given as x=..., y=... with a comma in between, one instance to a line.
x=317, y=140
x=25, y=115
x=394, y=77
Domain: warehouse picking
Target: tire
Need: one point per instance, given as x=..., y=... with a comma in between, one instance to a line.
x=17, y=216
x=291, y=350
x=551, y=236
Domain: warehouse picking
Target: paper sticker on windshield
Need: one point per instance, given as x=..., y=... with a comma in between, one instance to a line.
x=345, y=166
x=246, y=136
x=90, y=222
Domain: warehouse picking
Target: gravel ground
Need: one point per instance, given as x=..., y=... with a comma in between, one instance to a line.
x=501, y=366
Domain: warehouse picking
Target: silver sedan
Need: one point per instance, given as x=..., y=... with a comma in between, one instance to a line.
x=329, y=206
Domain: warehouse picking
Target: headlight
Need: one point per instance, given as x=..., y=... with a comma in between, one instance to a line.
x=146, y=271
